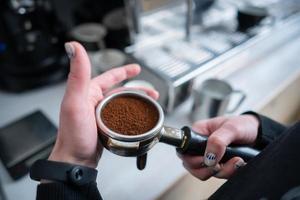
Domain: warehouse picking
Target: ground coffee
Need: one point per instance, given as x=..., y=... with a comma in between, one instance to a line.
x=129, y=115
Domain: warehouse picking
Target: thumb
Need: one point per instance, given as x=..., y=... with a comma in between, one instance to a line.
x=216, y=145
x=80, y=71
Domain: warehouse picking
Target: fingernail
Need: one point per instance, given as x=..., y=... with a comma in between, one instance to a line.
x=70, y=50
x=239, y=164
x=210, y=159
x=216, y=170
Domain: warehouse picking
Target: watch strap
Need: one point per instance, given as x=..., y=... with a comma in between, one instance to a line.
x=63, y=172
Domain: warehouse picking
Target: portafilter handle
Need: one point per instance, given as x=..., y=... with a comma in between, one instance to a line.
x=195, y=144
x=189, y=142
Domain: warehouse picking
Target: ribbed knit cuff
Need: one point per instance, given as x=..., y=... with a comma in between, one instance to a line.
x=57, y=191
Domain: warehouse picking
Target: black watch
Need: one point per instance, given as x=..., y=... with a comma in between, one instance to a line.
x=63, y=172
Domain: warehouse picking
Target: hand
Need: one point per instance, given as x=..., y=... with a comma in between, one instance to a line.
x=77, y=139
x=221, y=132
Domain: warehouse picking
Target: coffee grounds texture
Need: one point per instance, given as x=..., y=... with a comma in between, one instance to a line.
x=129, y=115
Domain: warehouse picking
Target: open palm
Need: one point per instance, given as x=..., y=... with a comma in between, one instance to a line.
x=77, y=140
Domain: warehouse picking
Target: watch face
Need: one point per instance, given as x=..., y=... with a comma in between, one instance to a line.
x=76, y=175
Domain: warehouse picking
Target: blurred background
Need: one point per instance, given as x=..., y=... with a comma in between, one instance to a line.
x=252, y=46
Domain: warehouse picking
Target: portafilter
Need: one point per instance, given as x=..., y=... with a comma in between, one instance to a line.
x=185, y=140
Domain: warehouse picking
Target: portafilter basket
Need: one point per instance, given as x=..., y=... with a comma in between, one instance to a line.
x=185, y=140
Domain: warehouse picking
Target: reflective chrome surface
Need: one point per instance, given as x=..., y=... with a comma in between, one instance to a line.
x=129, y=145
x=131, y=138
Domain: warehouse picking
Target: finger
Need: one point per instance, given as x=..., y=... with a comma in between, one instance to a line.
x=203, y=173
x=201, y=127
x=80, y=71
x=230, y=167
x=207, y=127
x=115, y=76
x=193, y=162
x=216, y=145
x=150, y=92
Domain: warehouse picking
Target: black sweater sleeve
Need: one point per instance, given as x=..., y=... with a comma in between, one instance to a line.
x=268, y=130
x=62, y=191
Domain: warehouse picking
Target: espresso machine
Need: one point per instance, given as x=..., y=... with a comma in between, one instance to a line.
x=184, y=39
x=31, y=45
x=33, y=33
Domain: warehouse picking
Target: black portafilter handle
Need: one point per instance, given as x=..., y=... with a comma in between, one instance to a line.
x=195, y=144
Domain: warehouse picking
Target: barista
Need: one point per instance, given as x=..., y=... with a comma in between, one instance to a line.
x=77, y=151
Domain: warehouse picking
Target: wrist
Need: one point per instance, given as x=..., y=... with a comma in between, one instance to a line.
x=63, y=156
x=254, y=121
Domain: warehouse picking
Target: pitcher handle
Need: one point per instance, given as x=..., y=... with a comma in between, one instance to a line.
x=242, y=98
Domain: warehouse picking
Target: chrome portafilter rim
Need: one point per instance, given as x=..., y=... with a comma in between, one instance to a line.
x=129, y=138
